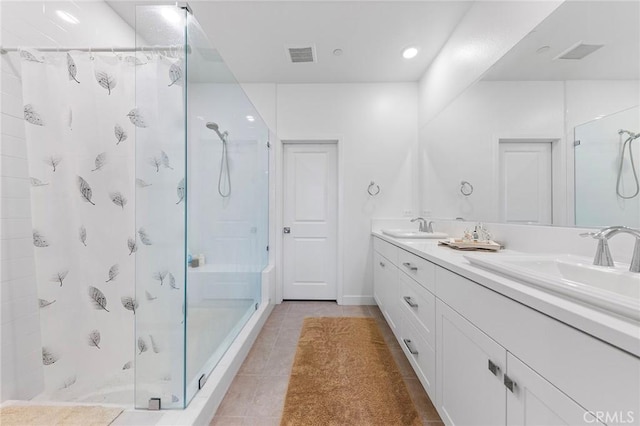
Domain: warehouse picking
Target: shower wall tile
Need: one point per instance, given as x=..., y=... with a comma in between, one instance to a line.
x=11, y=85
x=20, y=349
x=11, y=166
x=15, y=208
x=11, y=105
x=13, y=146
x=16, y=228
x=12, y=126
x=14, y=187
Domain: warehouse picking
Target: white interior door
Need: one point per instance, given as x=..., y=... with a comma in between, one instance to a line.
x=525, y=182
x=310, y=221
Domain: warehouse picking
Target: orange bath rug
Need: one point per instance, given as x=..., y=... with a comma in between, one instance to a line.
x=344, y=374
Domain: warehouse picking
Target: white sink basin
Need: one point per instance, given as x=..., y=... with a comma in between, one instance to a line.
x=412, y=233
x=613, y=289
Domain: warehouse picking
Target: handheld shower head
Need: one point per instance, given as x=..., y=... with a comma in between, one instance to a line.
x=214, y=126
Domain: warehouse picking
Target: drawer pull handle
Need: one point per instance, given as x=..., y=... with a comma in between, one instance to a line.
x=410, y=302
x=412, y=350
x=494, y=368
x=410, y=266
x=382, y=264
x=509, y=383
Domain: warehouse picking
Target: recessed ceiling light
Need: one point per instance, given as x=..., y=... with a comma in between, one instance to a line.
x=251, y=118
x=337, y=52
x=67, y=17
x=410, y=52
x=171, y=15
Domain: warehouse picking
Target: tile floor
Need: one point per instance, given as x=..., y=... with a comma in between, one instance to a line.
x=256, y=396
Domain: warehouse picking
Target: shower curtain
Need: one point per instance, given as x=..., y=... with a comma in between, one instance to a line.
x=81, y=122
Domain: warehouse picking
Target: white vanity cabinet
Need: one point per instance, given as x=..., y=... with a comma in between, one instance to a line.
x=385, y=282
x=480, y=382
x=486, y=359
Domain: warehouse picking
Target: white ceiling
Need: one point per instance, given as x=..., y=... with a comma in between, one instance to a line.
x=251, y=37
x=616, y=24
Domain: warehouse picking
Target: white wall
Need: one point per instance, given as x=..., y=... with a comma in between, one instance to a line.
x=376, y=125
x=32, y=24
x=484, y=35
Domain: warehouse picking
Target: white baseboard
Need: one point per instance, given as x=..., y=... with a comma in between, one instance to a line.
x=358, y=300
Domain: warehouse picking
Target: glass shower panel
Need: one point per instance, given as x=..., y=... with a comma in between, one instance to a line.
x=227, y=187
x=598, y=168
x=158, y=240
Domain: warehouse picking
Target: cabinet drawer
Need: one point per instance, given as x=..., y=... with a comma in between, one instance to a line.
x=420, y=306
x=421, y=270
x=386, y=249
x=420, y=354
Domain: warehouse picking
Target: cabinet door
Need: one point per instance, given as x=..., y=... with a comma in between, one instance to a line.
x=468, y=392
x=379, y=265
x=531, y=400
x=385, y=289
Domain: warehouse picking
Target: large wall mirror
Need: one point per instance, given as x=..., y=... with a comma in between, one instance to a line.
x=550, y=134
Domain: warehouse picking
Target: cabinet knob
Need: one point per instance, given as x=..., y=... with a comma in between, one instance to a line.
x=494, y=368
x=509, y=383
x=382, y=264
x=410, y=302
x=409, y=345
x=410, y=266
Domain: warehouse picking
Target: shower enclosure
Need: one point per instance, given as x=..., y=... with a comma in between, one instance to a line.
x=201, y=209
x=607, y=165
x=149, y=192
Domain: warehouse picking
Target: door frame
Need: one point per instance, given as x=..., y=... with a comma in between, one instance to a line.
x=279, y=249
x=558, y=173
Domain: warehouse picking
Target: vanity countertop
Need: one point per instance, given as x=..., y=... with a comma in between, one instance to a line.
x=620, y=332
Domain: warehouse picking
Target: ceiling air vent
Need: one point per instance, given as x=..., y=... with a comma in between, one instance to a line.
x=301, y=54
x=579, y=51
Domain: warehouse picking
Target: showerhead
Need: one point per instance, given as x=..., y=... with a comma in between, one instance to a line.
x=214, y=126
x=632, y=136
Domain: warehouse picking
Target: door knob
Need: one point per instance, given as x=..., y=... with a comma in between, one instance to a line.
x=286, y=230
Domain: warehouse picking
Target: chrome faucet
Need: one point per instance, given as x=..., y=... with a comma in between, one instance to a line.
x=425, y=226
x=603, y=255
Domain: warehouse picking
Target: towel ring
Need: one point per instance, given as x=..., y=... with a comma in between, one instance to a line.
x=373, y=189
x=466, y=188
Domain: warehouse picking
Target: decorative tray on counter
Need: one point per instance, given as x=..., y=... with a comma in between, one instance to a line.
x=469, y=245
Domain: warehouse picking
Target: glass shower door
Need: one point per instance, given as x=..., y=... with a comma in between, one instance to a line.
x=158, y=240
x=227, y=216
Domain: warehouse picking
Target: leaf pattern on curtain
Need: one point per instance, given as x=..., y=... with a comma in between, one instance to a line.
x=80, y=153
x=106, y=80
x=175, y=73
x=85, y=190
x=100, y=161
x=136, y=118
x=31, y=116
x=121, y=135
x=28, y=56
x=72, y=69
